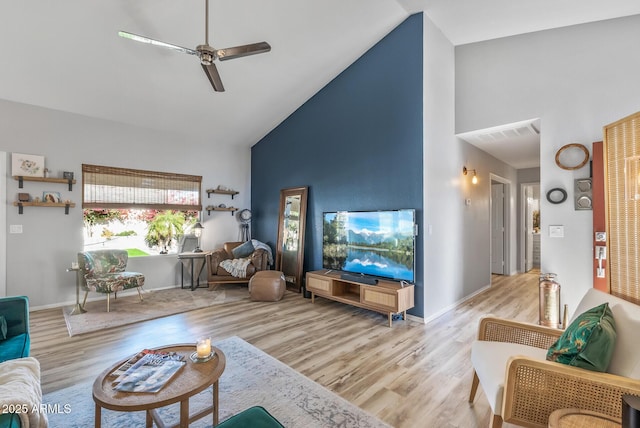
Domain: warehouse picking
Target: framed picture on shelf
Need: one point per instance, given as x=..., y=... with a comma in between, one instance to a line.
x=51, y=197
x=27, y=165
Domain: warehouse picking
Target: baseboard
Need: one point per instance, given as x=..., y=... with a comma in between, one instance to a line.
x=455, y=304
x=98, y=296
x=415, y=318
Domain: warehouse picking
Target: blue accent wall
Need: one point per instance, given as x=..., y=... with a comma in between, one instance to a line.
x=357, y=144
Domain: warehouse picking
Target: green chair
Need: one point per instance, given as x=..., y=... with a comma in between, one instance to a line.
x=14, y=340
x=14, y=328
x=253, y=417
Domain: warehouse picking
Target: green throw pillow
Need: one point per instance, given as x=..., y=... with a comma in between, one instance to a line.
x=3, y=328
x=243, y=250
x=588, y=341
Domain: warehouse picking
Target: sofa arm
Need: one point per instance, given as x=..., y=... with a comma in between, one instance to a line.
x=535, y=388
x=504, y=330
x=260, y=259
x=214, y=259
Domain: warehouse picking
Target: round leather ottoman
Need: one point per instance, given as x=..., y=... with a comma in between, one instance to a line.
x=267, y=286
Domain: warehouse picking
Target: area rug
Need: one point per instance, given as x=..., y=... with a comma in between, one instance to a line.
x=251, y=378
x=156, y=304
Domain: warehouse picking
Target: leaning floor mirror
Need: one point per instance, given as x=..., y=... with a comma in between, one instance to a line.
x=291, y=226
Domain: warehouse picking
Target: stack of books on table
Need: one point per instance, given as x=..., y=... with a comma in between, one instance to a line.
x=147, y=371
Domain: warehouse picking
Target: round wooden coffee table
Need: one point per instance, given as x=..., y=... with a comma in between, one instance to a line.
x=190, y=380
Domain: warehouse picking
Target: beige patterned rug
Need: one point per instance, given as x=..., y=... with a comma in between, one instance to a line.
x=251, y=378
x=156, y=304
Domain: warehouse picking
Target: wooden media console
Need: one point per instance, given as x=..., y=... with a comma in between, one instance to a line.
x=386, y=297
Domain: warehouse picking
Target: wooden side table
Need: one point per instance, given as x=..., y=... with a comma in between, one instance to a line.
x=578, y=418
x=192, y=379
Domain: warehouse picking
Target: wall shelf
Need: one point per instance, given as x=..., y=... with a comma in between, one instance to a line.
x=212, y=208
x=21, y=179
x=232, y=193
x=66, y=206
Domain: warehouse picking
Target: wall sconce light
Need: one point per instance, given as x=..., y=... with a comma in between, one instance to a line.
x=465, y=171
x=197, y=231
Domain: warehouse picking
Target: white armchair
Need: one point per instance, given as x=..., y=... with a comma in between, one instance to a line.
x=523, y=388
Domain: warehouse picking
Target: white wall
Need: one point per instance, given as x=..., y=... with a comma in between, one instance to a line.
x=37, y=258
x=3, y=225
x=442, y=228
x=576, y=79
x=457, y=260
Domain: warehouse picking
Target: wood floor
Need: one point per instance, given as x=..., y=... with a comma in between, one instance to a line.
x=410, y=375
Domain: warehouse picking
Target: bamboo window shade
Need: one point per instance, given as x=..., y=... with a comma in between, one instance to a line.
x=621, y=144
x=108, y=187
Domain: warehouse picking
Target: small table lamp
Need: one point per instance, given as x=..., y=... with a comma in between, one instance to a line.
x=197, y=231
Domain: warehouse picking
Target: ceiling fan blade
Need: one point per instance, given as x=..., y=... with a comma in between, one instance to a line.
x=214, y=77
x=144, y=39
x=244, y=50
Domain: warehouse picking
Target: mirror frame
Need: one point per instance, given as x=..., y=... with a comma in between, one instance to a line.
x=284, y=193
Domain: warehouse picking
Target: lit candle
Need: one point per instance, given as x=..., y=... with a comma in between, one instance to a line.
x=203, y=347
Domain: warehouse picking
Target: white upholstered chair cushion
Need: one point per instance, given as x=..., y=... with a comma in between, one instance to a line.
x=489, y=359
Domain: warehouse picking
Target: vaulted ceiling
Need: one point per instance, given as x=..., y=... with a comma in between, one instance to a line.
x=66, y=55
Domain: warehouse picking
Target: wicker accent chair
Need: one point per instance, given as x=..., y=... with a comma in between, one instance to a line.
x=523, y=388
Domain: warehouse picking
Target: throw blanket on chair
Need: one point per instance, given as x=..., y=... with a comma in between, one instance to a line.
x=236, y=267
x=20, y=387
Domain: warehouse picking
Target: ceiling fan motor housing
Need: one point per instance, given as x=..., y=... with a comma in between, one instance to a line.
x=207, y=54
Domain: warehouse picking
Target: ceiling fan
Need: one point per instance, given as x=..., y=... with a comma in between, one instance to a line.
x=205, y=52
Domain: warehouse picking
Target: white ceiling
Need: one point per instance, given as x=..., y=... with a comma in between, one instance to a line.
x=66, y=55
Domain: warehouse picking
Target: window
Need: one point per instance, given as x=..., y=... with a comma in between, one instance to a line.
x=144, y=212
x=109, y=187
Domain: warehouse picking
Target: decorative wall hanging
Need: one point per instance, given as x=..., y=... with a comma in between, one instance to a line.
x=557, y=195
x=569, y=162
x=583, y=199
x=27, y=165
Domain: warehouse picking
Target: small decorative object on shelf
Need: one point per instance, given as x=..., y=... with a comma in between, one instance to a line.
x=68, y=175
x=23, y=197
x=51, y=197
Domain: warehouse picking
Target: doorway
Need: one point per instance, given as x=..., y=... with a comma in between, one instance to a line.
x=499, y=221
x=530, y=249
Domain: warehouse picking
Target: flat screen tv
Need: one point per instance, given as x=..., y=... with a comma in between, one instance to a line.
x=378, y=243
